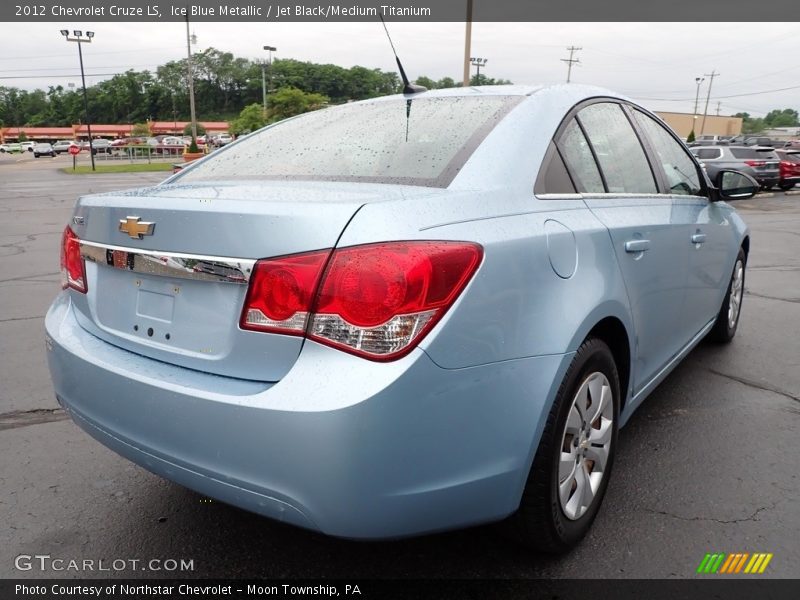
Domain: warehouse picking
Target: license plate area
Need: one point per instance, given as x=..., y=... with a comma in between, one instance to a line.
x=184, y=316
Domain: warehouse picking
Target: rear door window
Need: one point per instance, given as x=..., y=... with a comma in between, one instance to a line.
x=708, y=153
x=619, y=152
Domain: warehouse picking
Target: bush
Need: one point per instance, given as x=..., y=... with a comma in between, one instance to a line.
x=188, y=129
x=691, y=137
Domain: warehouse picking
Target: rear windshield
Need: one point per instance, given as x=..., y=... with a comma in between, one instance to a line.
x=753, y=153
x=423, y=141
x=791, y=157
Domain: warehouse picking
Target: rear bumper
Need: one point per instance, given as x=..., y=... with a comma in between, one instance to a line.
x=341, y=445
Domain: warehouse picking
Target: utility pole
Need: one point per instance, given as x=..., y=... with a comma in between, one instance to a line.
x=467, y=44
x=719, y=104
x=571, y=61
x=712, y=75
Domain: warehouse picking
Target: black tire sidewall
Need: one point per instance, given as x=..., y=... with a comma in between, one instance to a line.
x=594, y=356
x=728, y=332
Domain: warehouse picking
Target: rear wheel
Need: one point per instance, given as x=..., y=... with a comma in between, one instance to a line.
x=786, y=186
x=728, y=318
x=572, y=466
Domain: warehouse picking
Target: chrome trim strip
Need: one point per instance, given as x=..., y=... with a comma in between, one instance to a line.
x=170, y=264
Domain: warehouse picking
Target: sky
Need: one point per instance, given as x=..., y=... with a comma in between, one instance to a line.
x=654, y=63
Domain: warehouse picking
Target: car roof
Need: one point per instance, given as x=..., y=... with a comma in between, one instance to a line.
x=574, y=91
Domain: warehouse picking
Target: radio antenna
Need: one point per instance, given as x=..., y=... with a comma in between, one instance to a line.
x=408, y=87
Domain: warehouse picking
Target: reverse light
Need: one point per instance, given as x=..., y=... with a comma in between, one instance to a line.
x=73, y=268
x=377, y=301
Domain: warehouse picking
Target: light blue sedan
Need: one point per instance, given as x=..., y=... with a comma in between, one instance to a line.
x=404, y=315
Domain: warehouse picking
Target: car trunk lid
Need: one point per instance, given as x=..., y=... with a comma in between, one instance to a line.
x=171, y=287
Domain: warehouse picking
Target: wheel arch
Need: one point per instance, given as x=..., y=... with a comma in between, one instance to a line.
x=612, y=331
x=612, y=324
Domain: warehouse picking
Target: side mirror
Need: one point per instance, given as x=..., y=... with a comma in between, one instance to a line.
x=734, y=185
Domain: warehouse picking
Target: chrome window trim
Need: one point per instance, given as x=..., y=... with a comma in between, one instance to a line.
x=218, y=269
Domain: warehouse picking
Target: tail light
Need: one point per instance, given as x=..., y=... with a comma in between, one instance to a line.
x=73, y=268
x=377, y=301
x=756, y=163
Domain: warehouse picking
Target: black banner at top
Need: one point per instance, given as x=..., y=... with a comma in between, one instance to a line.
x=711, y=11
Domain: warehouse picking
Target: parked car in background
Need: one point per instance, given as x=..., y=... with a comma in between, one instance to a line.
x=222, y=139
x=101, y=146
x=10, y=148
x=64, y=145
x=43, y=149
x=172, y=140
x=708, y=143
x=790, y=168
x=759, y=162
x=375, y=330
x=27, y=146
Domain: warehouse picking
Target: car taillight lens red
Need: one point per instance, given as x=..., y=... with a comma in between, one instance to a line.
x=73, y=268
x=377, y=300
x=281, y=293
x=756, y=163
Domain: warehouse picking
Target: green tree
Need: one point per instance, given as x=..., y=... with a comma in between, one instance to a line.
x=140, y=129
x=187, y=129
x=445, y=82
x=750, y=124
x=426, y=82
x=22, y=136
x=288, y=102
x=250, y=119
x=691, y=137
x=782, y=118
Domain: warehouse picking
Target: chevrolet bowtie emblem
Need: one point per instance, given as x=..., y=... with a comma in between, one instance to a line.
x=135, y=227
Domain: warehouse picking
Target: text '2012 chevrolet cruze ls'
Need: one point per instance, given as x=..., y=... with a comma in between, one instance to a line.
x=403, y=315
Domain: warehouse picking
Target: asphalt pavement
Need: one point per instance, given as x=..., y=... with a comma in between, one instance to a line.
x=709, y=463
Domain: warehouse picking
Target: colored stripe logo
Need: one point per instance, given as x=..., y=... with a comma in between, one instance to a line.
x=737, y=562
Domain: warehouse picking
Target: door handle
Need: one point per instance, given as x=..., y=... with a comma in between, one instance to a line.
x=637, y=246
x=698, y=238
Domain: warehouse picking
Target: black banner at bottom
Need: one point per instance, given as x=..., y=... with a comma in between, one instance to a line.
x=652, y=589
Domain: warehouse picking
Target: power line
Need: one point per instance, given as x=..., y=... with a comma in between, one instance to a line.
x=786, y=89
x=61, y=75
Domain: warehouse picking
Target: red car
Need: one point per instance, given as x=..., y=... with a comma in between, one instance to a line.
x=790, y=168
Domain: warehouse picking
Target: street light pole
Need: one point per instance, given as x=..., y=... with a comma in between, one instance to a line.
x=79, y=39
x=191, y=80
x=478, y=62
x=698, y=81
x=270, y=49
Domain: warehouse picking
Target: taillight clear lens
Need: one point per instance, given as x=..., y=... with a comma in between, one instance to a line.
x=376, y=300
x=281, y=293
x=73, y=268
x=380, y=300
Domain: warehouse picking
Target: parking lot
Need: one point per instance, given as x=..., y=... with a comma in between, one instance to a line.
x=708, y=464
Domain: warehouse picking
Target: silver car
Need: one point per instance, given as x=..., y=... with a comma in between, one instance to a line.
x=402, y=315
x=43, y=149
x=760, y=162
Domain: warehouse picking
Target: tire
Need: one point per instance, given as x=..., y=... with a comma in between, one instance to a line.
x=728, y=318
x=786, y=186
x=35, y=155
x=547, y=521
